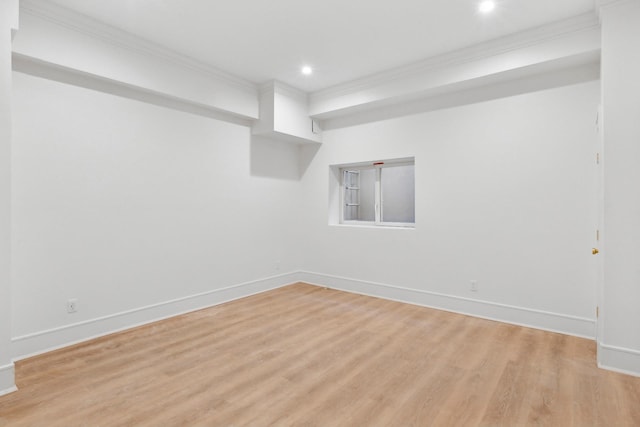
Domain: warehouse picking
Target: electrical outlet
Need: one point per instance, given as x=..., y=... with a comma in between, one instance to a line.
x=72, y=305
x=474, y=286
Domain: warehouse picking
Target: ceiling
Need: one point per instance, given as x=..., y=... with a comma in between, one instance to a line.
x=343, y=40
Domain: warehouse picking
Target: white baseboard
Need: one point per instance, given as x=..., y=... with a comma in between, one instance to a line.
x=548, y=321
x=619, y=359
x=610, y=357
x=44, y=341
x=7, y=379
x=52, y=339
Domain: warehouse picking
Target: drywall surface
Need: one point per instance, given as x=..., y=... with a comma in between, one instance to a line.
x=620, y=339
x=121, y=205
x=7, y=13
x=505, y=196
x=124, y=205
x=88, y=51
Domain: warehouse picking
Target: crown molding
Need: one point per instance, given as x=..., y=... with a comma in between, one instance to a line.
x=88, y=26
x=605, y=3
x=39, y=68
x=290, y=91
x=602, y=5
x=545, y=76
x=267, y=87
x=276, y=86
x=523, y=39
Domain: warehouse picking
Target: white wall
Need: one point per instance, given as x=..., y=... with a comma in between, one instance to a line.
x=123, y=205
x=620, y=339
x=505, y=195
x=8, y=16
x=126, y=205
x=93, y=49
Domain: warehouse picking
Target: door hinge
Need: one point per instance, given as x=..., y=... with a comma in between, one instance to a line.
x=598, y=235
x=597, y=312
x=597, y=158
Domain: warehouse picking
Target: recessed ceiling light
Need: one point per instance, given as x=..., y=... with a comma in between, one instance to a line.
x=486, y=6
x=307, y=70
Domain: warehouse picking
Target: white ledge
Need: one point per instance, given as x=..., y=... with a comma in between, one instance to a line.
x=93, y=48
x=515, y=56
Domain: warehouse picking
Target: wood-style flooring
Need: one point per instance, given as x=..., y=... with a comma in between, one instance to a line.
x=304, y=355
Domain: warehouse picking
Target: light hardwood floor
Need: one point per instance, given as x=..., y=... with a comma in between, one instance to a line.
x=304, y=355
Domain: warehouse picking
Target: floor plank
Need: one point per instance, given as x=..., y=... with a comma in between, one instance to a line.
x=305, y=355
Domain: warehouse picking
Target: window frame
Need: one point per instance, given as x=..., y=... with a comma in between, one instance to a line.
x=378, y=166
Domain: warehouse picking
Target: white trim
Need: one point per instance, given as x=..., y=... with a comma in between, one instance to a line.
x=409, y=160
x=608, y=3
x=8, y=390
x=487, y=49
x=371, y=226
x=603, y=6
x=290, y=91
x=44, y=341
x=619, y=359
x=558, y=73
x=40, y=68
x=7, y=379
x=602, y=3
x=378, y=196
x=276, y=86
x=522, y=316
x=69, y=19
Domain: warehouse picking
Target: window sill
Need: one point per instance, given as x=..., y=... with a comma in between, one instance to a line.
x=375, y=227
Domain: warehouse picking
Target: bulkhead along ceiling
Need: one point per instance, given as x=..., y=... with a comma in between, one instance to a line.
x=343, y=40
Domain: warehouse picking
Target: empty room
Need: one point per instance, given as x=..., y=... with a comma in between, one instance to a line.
x=332, y=213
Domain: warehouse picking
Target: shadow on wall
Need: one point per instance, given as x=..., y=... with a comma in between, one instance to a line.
x=306, y=154
x=279, y=159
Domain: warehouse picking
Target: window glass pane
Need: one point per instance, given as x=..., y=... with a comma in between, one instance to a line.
x=367, y=195
x=398, y=193
x=359, y=195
